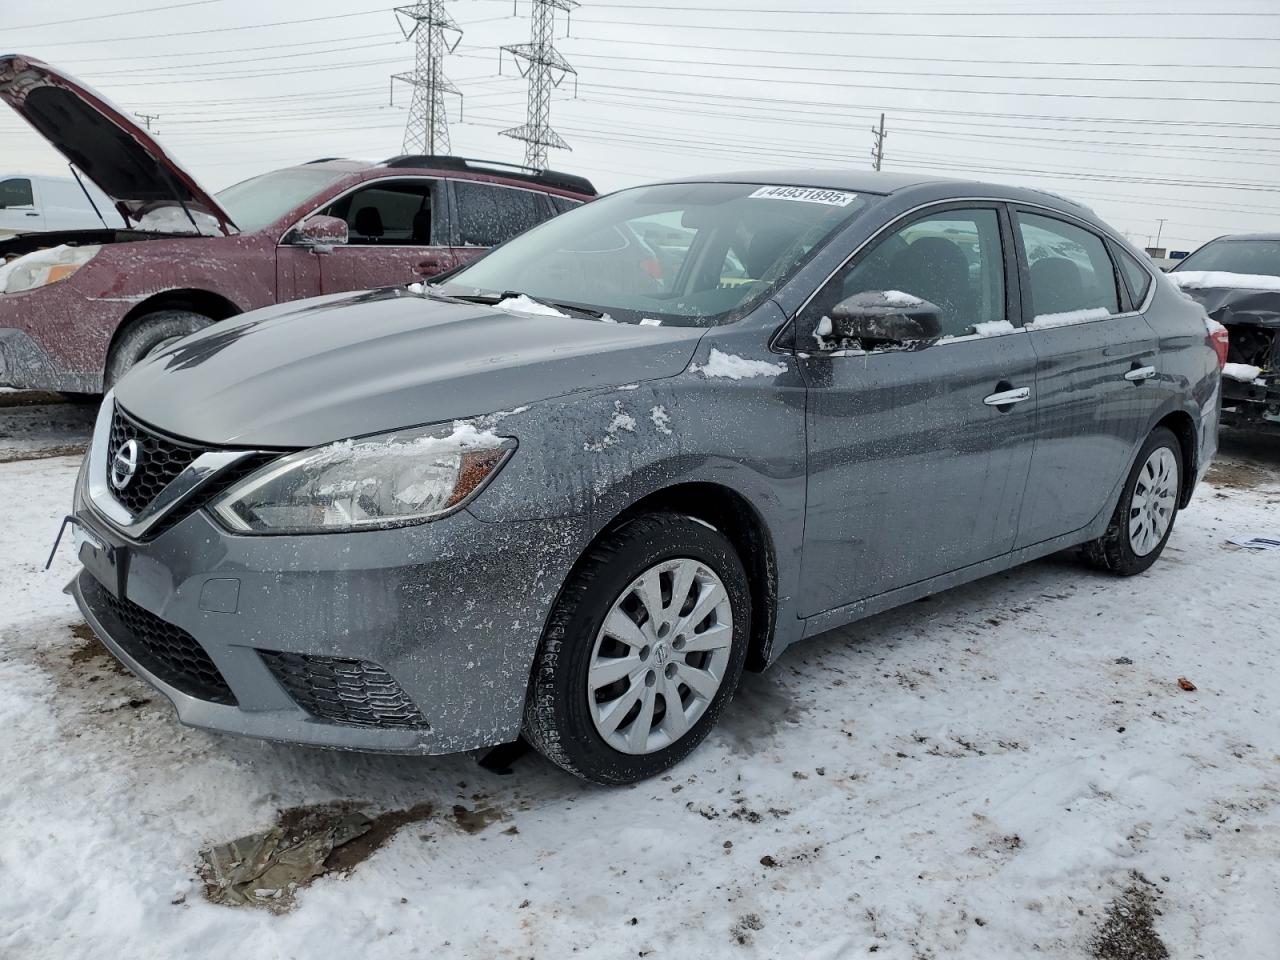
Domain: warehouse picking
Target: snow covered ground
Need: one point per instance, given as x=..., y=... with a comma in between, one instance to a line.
x=1005, y=770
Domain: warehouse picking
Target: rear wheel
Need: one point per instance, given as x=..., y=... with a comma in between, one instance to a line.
x=643, y=650
x=1143, y=520
x=147, y=335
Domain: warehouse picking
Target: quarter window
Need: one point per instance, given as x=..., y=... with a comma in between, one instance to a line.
x=563, y=204
x=489, y=215
x=1138, y=279
x=393, y=213
x=954, y=260
x=16, y=192
x=1071, y=272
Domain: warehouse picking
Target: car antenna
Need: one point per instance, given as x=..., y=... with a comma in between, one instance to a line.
x=76, y=173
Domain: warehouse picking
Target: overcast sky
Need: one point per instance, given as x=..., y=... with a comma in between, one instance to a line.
x=1186, y=129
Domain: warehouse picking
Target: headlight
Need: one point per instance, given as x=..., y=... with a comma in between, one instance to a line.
x=385, y=481
x=44, y=267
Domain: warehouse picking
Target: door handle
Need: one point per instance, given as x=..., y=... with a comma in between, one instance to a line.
x=1008, y=397
x=32, y=214
x=1140, y=374
x=429, y=265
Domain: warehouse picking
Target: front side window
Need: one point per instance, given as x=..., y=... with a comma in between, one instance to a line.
x=692, y=254
x=1071, y=272
x=16, y=192
x=953, y=260
x=397, y=213
x=489, y=215
x=1254, y=257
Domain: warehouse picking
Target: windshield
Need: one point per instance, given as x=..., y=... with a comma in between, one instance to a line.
x=689, y=254
x=1259, y=257
x=255, y=203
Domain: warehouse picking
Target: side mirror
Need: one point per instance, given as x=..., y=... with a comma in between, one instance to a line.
x=321, y=231
x=885, y=317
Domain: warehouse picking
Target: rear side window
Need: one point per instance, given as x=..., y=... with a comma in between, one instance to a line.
x=563, y=204
x=489, y=215
x=1072, y=277
x=16, y=192
x=1138, y=279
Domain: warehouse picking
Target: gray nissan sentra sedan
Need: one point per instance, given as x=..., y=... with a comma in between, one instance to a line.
x=572, y=490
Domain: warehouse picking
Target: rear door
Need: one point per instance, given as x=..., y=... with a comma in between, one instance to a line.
x=1095, y=355
x=912, y=471
x=487, y=214
x=20, y=205
x=396, y=232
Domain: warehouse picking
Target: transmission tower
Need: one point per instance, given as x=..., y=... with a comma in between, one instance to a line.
x=427, y=129
x=541, y=63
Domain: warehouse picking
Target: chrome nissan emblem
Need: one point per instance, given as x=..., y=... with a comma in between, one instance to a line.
x=124, y=464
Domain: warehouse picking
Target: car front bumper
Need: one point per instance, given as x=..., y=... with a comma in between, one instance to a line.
x=421, y=638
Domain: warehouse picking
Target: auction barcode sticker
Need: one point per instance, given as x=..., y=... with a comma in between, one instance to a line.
x=832, y=198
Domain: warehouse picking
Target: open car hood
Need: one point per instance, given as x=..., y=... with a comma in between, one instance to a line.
x=105, y=145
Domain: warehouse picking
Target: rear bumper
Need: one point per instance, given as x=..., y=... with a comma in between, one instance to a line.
x=436, y=627
x=1254, y=406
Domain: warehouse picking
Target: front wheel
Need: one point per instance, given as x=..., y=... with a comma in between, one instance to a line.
x=1143, y=520
x=642, y=651
x=149, y=335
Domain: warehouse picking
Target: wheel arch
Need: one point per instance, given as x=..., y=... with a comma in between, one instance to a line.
x=204, y=302
x=1181, y=424
x=732, y=514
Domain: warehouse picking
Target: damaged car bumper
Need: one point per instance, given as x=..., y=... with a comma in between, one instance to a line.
x=322, y=639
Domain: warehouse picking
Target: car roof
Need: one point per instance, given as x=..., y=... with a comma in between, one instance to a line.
x=465, y=168
x=885, y=183
x=1247, y=236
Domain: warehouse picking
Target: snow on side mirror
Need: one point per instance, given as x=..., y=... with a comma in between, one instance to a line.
x=321, y=231
x=877, y=317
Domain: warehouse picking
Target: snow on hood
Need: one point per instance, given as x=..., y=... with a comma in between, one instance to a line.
x=1207, y=279
x=174, y=219
x=101, y=140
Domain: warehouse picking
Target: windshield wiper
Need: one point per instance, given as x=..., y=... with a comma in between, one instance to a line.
x=493, y=299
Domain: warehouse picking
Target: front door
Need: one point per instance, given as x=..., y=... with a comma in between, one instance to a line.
x=1094, y=356
x=395, y=236
x=912, y=471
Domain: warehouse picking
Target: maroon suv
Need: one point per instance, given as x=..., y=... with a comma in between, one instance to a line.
x=78, y=308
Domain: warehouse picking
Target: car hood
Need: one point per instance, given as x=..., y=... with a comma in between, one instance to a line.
x=314, y=371
x=1231, y=305
x=121, y=158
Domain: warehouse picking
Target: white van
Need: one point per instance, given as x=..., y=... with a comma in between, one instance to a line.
x=34, y=203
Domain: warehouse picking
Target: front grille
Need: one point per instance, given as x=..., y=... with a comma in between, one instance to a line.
x=160, y=460
x=343, y=691
x=168, y=652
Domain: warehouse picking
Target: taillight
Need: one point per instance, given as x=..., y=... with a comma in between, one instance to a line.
x=1220, y=339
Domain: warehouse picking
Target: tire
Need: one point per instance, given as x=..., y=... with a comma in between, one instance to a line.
x=1120, y=550
x=145, y=336
x=565, y=717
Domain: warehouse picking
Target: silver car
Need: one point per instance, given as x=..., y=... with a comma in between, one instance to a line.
x=573, y=489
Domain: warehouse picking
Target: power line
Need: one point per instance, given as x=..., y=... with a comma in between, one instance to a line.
x=109, y=16
x=197, y=33
x=929, y=57
x=916, y=35
x=739, y=11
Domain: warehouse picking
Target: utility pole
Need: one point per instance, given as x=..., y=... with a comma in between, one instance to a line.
x=1160, y=229
x=147, y=118
x=427, y=129
x=877, y=152
x=543, y=66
